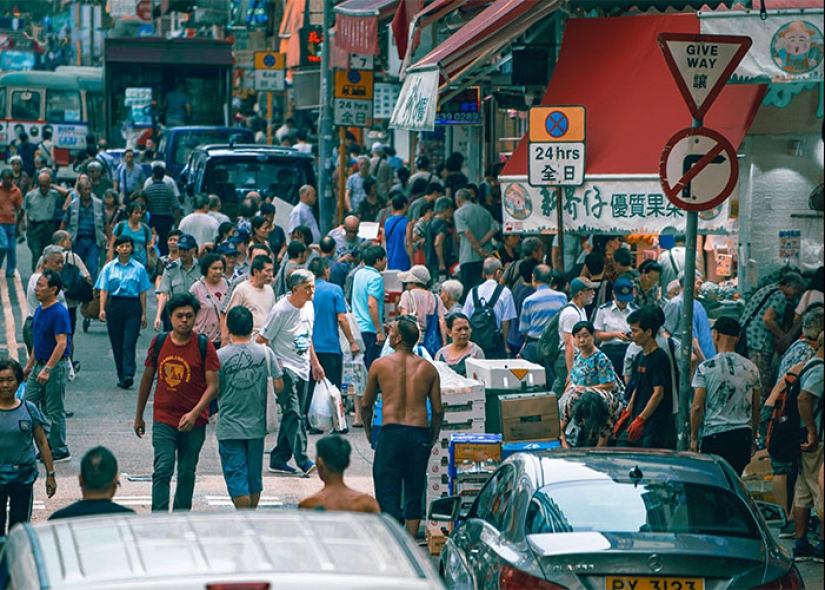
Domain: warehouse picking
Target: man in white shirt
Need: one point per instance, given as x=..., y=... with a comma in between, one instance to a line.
x=611, y=324
x=302, y=213
x=491, y=294
x=255, y=294
x=581, y=294
x=200, y=224
x=288, y=330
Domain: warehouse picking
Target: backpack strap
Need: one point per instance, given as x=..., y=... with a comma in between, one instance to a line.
x=118, y=228
x=159, y=340
x=202, y=340
x=476, y=300
x=496, y=294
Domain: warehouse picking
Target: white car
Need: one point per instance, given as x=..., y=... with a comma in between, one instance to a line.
x=260, y=550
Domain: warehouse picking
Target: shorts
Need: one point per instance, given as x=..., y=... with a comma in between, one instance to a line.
x=242, y=462
x=401, y=457
x=806, y=492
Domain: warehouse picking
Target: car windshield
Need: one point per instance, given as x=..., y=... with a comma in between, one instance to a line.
x=231, y=179
x=187, y=141
x=611, y=506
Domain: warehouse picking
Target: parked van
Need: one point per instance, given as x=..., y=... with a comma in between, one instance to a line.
x=176, y=143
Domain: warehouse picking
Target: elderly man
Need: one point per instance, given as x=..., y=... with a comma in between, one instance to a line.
x=703, y=343
x=85, y=222
x=347, y=241
x=302, y=214
x=475, y=228
x=53, y=259
x=39, y=206
x=100, y=184
x=11, y=207
x=355, y=192
x=129, y=177
x=581, y=294
x=451, y=292
x=288, y=329
x=538, y=309
x=491, y=295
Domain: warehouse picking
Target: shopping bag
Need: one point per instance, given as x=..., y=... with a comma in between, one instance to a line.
x=320, y=410
x=339, y=415
x=271, y=405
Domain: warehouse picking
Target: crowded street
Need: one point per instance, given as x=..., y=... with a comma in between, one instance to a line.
x=412, y=294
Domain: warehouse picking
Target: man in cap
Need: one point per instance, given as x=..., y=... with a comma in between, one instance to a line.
x=178, y=277
x=229, y=253
x=726, y=400
x=162, y=202
x=581, y=294
x=611, y=324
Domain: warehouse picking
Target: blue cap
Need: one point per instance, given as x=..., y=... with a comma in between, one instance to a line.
x=623, y=290
x=187, y=242
x=239, y=236
x=227, y=249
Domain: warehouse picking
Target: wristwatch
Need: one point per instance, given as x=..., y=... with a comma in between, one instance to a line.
x=50, y=474
x=47, y=368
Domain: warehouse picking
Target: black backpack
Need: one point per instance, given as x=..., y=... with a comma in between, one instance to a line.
x=785, y=429
x=485, y=331
x=548, y=345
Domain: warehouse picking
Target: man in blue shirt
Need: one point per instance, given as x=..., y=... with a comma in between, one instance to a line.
x=536, y=312
x=701, y=325
x=368, y=301
x=47, y=369
x=330, y=314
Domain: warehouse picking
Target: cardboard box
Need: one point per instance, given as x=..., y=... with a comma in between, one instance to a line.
x=435, y=543
x=760, y=488
x=760, y=464
x=529, y=416
x=439, y=528
x=511, y=374
x=437, y=485
x=528, y=446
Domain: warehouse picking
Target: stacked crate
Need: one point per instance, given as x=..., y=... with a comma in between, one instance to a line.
x=473, y=459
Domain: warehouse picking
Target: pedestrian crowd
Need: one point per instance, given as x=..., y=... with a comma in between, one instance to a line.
x=248, y=309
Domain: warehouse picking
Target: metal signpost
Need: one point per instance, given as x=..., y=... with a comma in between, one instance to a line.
x=270, y=76
x=698, y=168
x=556, y=137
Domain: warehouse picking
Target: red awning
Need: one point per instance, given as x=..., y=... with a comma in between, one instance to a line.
x=356, y=24
x=410, y=12
x=485, y=35
x=633, y=104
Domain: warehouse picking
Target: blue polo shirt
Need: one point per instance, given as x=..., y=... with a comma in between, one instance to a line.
x=328, y=303
x=366, y=282
x=123, y=280
x=47, y=324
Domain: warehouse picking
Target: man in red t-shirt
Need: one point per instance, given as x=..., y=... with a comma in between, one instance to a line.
x=186, y=383
x=11, y=202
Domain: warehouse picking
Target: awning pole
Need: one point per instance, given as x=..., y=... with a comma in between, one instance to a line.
x=685, y=391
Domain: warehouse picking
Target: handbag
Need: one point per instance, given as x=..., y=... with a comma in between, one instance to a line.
x=271, y=408
x=74, y=285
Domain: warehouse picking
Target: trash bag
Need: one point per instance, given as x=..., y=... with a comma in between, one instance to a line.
x=320, y=410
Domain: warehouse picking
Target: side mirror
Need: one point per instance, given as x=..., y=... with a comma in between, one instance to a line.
x=445, y=509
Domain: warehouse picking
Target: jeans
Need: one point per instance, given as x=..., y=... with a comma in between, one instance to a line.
x=50, y=397
x=471, y=276
x=19, y=498
x=292, y=434
x=372, y=350
x=38, y=236
x=89, y=252
x=123, y=325
x=167, y=442
x=8, y=247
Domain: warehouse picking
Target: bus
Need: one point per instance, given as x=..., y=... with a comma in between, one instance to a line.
x=68, y=101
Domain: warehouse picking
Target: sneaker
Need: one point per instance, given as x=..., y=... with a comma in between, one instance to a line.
x=61, y=457
x=819, y=553
x=803, y=551
x=69, y=414
x=283, y=469
x=788, y=530
x=76, y=366
x=309, y=468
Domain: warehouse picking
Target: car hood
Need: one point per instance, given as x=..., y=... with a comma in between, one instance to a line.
x=663, y=554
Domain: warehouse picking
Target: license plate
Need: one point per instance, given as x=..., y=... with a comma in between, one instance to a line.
x=653, y=583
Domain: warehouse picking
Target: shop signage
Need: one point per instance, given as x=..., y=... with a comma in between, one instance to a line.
x=556, y=137
x=270, y=71
x=311, y=39
x=698, y=169
x=415, y=109
x=606, y=204
x=361, y=61
x=701, y=64
x=462, y=109
x=357, y=84
x=144, y=10
x=386, y=95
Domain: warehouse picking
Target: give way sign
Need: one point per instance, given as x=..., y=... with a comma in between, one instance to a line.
x=698, y=169
x=701, y=64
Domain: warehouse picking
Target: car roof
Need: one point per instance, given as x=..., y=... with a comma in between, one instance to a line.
x=224, y=149
x=559, y=466
x=99, y=551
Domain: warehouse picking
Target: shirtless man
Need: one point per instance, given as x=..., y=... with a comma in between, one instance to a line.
x=406, y=382
x=332, y=459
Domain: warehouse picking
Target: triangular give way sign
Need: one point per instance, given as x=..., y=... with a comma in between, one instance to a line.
x=701, y=64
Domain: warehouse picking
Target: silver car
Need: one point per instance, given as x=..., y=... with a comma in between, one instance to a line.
x=244, y=550
x=612, y=519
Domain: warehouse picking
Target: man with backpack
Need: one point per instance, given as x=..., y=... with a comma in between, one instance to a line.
x=490, y=308
x=187, y=367
x=581, y=294
x=725, y=400
x=807, y=493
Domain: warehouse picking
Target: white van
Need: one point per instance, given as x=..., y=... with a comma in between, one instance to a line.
x=243, y=550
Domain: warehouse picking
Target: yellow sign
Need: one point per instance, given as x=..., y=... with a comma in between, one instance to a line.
x=270, y=60
x=356, y=84
x=520, y=373
x=556, y=123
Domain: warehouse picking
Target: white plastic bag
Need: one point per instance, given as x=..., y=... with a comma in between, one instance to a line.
x=320, y=410
x=339, y=415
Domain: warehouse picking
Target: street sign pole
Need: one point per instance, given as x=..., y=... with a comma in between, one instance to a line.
x=326, y=204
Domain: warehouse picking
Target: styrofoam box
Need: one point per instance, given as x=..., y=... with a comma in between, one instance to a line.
x=505, y=374
x=437, y=485
x=475, y=412
x=469, y=425
x=474, y=396
x=391, y=282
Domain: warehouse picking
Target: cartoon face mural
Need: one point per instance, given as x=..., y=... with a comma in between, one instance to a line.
x=797, y=47
x=517, y=201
